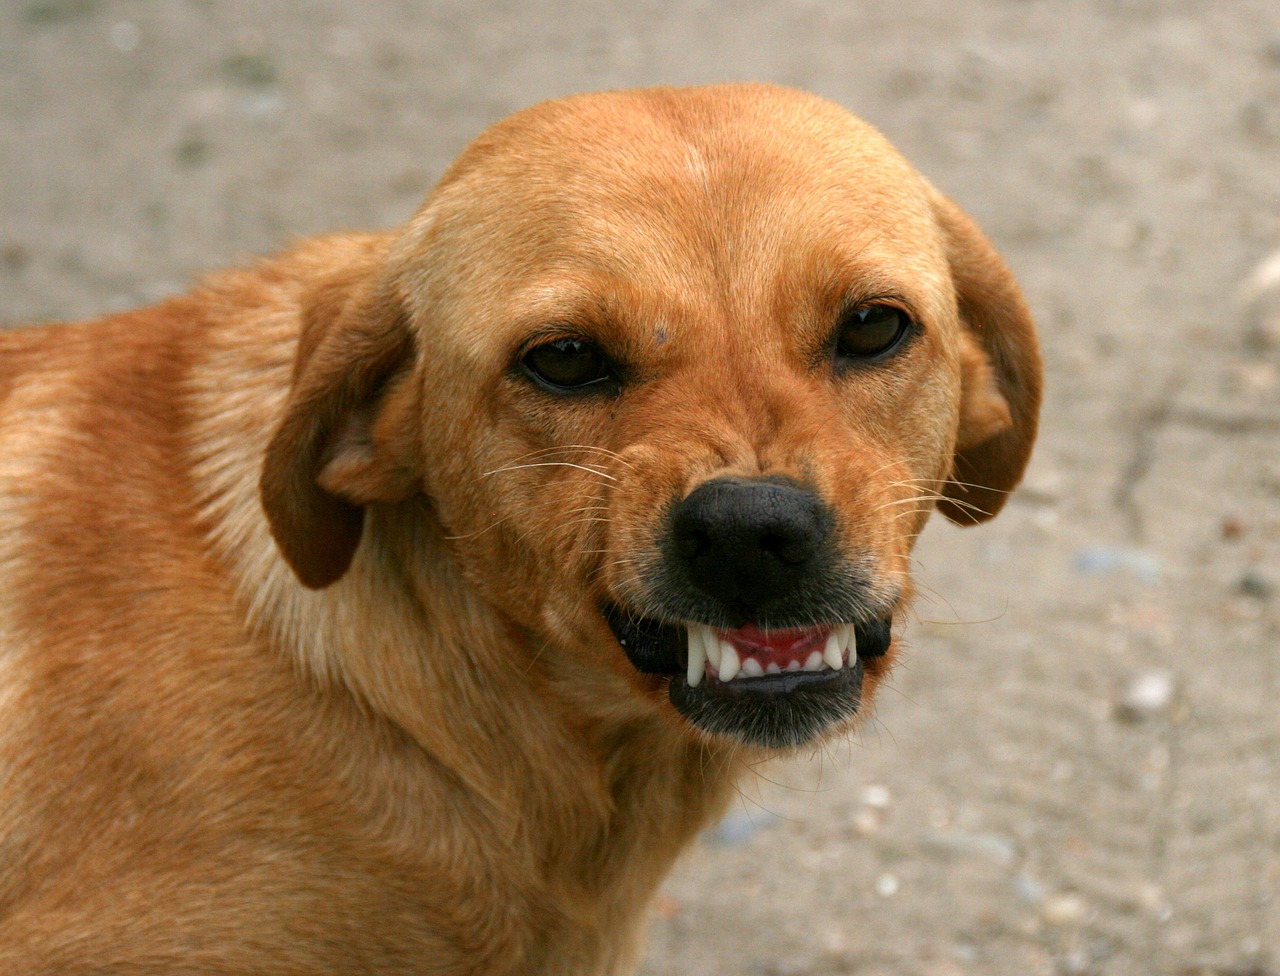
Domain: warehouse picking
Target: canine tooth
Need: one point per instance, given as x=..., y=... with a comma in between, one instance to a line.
x=697, y=658
x=815, y=661
x=728, y=662
x=849, y=641
x=831, y=655
x=773, y=668
x=712, y=645
x=751, y=668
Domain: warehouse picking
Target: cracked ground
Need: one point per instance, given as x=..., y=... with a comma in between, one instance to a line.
x=1077, y=767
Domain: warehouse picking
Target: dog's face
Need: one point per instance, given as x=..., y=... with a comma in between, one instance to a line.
x=683, y=375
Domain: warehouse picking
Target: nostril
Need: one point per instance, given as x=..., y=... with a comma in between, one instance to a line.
x=692, y=543
x=790, y=550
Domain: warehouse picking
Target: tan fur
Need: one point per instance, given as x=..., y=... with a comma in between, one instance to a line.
x=433, y=757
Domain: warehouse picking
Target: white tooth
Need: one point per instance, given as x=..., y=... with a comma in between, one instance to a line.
x=711, y=643
x=793, y=665
x=697, y=658
x=849, y=641
x=751, y=668
x=773, y=668
x=728, y=662
x=831, y=652
x=815, y=661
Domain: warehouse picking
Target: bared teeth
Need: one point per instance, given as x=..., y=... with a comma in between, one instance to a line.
x=848, y=641
x=706, y=649
x=729, y=664
x=697, y=656
x=712, y=645
x=832, y=652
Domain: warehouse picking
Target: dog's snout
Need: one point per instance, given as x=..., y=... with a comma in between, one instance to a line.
x=749, y=542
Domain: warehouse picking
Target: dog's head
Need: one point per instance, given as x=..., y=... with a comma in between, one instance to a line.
x=682, y=374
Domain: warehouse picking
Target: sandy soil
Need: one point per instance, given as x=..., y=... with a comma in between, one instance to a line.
x=1078, y=768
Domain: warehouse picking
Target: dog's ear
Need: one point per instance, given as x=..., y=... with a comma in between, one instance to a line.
x=1001, y=369
x=345, y=440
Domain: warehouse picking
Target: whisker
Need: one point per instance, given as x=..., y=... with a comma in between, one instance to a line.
x=550, y=464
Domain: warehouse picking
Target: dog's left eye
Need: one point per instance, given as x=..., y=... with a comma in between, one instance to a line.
x=568, y=364
x=871, y=331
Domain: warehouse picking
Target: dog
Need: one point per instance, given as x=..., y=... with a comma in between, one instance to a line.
x=406, y=603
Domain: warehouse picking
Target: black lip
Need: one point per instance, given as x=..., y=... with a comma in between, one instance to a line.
x=776, y=711
x=651, y=646
x=780, y=711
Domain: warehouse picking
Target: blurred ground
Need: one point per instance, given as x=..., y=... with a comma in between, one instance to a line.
x=1078, y=768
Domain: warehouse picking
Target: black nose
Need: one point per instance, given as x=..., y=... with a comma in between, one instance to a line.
x=750, y=543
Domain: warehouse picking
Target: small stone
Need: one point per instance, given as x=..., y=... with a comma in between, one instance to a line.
x=877, y=797
x=14, y=256
x=1076, y=963
x=1064, y=910
x=1042, y=486
x=1028, y=888
x=1254, y=377
x=1101, y=560
x=1259, y=297
x=739, y=826
x=887, y=885
x=1151, y=899
x=958, y=843
x=125, y=36
x=1254, y=584
x=866, y=822
x=1147, y=695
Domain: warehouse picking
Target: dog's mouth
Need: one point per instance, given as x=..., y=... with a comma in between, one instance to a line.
x=778, y=688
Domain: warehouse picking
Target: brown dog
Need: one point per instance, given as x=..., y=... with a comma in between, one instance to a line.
x=406, y=603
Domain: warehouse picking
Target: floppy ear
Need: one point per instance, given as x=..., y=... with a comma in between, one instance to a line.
x=346, y=437
x=1001, y=369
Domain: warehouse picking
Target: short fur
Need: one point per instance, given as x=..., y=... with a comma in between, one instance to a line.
x=302, y=664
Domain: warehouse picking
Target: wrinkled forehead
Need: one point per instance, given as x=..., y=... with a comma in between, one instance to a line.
x=731, y=192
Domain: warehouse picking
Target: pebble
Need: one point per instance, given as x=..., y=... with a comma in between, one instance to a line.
x=1260, y=298
x=1254, y=584
x=877, y=797
x=988, y=846
x=887, y=885
x=739, y=827
x=1147, y=695
x=1138, y=563
x=867, y=822
x=1064, y=910
x=125, y=36
x=1028, y=888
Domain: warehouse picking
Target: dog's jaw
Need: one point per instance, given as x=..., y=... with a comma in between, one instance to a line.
x=776, y=689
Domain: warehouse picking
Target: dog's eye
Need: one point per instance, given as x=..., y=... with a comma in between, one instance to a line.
x=568, y=364
x=871, y=331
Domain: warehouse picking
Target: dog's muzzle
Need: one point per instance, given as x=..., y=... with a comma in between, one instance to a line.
x=752, y=579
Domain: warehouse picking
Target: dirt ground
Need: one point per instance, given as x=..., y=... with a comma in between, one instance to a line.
x=1077, y=769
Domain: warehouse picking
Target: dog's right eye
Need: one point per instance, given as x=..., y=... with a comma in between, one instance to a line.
x=568, y=364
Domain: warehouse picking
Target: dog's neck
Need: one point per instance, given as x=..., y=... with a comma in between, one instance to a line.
x=589, y=820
